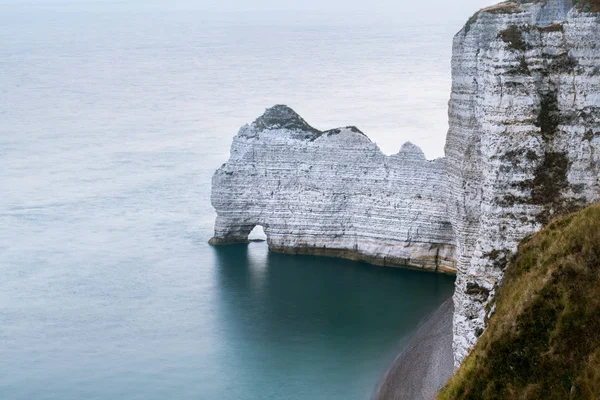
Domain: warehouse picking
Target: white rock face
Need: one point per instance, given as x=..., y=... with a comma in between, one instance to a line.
x=333, y=193
x=524, y=139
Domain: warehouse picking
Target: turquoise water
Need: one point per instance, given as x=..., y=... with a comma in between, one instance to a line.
x=111, y=125
x=226, y=323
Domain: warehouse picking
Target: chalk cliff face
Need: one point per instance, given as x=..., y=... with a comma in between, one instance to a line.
x=333, y=193
x=524, y=139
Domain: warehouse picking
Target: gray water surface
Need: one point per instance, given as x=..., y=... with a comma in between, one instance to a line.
x=111, y=125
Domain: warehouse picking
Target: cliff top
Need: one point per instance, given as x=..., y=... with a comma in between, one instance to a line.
x=411, y=149
x=282, y=117
x=545, y=12
x=337, y=131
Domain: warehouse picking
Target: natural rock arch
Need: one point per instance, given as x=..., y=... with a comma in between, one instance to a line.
x=333, y=193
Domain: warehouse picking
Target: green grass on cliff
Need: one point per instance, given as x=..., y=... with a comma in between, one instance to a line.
x=543, y=342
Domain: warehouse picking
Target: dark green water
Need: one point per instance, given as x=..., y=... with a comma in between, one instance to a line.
x=224, y=323
x=316, y=328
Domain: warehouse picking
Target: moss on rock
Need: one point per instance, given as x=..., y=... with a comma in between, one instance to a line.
x=283, y=117
x=513, y=36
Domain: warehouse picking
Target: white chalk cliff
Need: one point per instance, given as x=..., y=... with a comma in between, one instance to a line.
x=523, y=147
x=333, y=193
x=524, y=139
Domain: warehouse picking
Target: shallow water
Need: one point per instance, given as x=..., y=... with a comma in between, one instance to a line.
x=111, y=125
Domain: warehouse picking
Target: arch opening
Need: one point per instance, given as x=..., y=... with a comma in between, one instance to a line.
x=257, y=234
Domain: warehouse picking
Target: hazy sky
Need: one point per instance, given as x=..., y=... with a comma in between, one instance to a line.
x=436, y=7
x=270, y=34
x=339, y=5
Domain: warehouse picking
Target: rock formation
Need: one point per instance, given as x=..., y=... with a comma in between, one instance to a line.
x=524, y=138
x=333, y=193
x=523, y=147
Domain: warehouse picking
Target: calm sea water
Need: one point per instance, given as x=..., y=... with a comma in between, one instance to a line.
x=111, y=125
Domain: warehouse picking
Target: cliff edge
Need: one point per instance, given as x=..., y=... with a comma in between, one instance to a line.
x=523, y=145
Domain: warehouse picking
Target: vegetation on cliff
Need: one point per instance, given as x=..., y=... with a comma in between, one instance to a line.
x=543, y=341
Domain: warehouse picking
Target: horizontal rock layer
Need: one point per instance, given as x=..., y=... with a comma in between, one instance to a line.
x=524, y=138
x=333, y=193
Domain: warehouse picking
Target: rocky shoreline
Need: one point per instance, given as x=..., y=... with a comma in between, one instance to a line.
x=425, y=364
x=431, y=264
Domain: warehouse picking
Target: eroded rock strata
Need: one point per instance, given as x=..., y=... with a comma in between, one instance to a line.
x=523, y=147
x=524, y=138
x=333, y=193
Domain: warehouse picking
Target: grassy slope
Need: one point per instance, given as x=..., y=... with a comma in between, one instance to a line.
x=543, y=342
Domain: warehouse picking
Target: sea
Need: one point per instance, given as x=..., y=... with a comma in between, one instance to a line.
x=113, y=120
